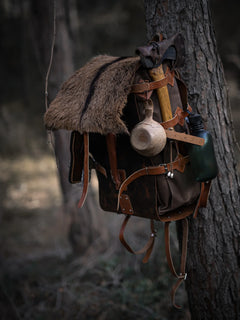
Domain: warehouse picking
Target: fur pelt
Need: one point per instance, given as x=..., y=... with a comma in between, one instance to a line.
x=93, y=98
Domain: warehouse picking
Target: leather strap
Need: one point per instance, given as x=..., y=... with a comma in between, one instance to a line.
x=183, y=92
x=100, y=169
x=203, y=197
x=178, y=164
x=148, y=246
x=148, y=86
x=86, y=170
x=77, y=157
x=182, y=275
x=178, y=118
x=205, y=194
x=112, y=156
x=125, y=204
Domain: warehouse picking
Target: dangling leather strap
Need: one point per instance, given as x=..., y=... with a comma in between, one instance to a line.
x=205, y=194
x=183, y=92
x=195, y=213
x=85, y=170
x=203, y=197
x=182, y=275
x=112, y=156
x=148, y=246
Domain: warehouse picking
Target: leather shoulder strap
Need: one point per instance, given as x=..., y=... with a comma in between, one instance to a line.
x=182, y=275
x=148, y=246
x=112, y=156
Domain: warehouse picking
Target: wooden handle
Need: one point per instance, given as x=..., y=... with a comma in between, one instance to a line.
x=166, y=111
x=179, y=136
x=163, y=95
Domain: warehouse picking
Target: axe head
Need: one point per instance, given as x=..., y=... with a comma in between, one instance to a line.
x=159, y=50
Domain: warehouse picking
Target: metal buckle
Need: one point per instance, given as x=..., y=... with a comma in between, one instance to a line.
x=165, y=168
x=183, y=276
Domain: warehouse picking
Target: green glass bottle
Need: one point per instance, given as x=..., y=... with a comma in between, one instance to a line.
x=202, y=158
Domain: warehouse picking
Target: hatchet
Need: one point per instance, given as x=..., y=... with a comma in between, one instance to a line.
x=166, y=110
x=150, y=59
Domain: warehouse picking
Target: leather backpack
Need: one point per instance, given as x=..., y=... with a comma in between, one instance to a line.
x=109, y=105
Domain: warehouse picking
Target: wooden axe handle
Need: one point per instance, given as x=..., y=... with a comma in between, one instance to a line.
x=163, y=95
x=166, y=111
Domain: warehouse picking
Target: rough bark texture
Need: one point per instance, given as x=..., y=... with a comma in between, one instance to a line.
x=213, y=263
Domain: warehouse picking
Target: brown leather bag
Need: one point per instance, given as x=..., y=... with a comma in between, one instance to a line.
x=159, y=187
x=162, y=187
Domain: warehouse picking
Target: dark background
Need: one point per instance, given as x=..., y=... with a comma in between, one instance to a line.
x=39, y=278
x=113, y=27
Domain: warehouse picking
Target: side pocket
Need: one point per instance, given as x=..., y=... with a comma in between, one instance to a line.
x=181, y=190
x=164, y=194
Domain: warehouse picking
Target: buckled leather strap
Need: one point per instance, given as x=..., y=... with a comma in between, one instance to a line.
x=182, y=275
x=148, y=86
x=178, y=118
x=86, y=170
x=148, y=246
x=178, y=164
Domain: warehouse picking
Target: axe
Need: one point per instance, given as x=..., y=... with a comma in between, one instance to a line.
x=150, y=58
x=166, y=110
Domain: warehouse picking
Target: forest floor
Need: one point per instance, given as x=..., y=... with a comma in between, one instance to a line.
x=41, y=278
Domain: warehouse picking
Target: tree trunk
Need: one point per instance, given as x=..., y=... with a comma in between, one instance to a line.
x=85, y=223
x=213, y=266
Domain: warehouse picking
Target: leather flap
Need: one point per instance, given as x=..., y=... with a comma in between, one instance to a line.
x=77, y=157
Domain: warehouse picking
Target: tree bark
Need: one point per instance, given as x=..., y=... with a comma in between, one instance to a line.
x=213, y=264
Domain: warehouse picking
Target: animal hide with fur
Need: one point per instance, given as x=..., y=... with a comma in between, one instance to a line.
x=93, y=98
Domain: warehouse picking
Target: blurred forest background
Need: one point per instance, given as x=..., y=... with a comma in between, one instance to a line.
x=40, y=276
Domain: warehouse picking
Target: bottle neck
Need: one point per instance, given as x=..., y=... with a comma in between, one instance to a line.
x=195, y=123
x=197, y=128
